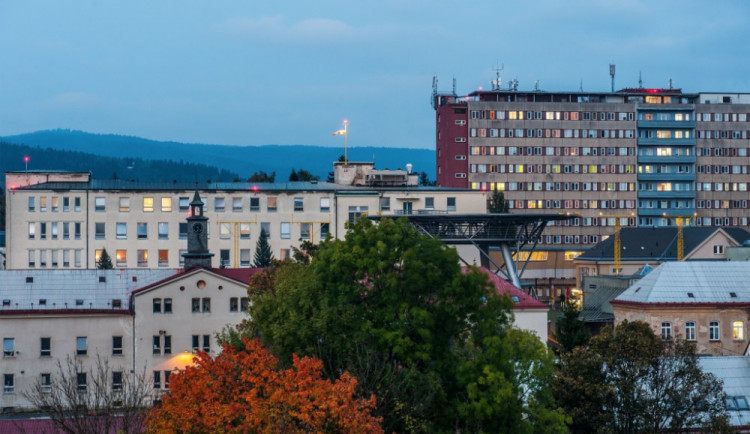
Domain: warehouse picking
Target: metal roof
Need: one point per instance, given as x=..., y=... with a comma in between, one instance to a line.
x=692, y=282
x=22, y=290
x=734, y=371
x=656, y=243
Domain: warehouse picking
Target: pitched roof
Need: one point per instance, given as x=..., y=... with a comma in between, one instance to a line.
x=656, y=243
x=72, y=290
x=734, y=371
x=521, y=300
x=692, y=282
x=241, y=275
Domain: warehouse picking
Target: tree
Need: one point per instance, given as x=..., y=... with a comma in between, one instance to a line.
x=570, y=331
x=497, y=203
x=630, y=380
x=263, y=253
x=262, y=176
x=302, y=175
x=394, y=308
x=424, y=179
x=331, y=175
x=243, y=390
x=104, y=262
x=101, y=399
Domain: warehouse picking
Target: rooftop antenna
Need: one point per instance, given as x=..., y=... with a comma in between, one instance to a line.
x=497, y=82
x=434, y=91
x=670, y=83
x=536, y=85
x=640, y=80
x=580, y=86
x=612, y=74
x=454, y=86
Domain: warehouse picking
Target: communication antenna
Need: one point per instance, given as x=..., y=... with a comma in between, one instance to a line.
x=670, y=83
x=454, y=86
x=580, y=86
x=434, y=91
x=612, y=74
x=536, y=85
x=513, y=85
x=640, y=80
x=497, y=82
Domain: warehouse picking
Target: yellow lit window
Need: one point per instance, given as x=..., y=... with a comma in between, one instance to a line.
x=121, y=258
x=501, y=186
x=664, y=134
x=653, y=100
x=738, y=330
x=148, y=204
x=512, y=115
x=475, y=186
x=97, y=255
x=535, y=256
x=166, y=204
x=570, y=255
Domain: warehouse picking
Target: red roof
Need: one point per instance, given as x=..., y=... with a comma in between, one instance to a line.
x=241, y=275
x=525, y=301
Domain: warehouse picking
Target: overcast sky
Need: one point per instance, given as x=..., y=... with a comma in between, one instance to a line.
x=288, y=72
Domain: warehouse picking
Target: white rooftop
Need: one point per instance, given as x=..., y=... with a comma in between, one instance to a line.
x=23, y=290
x=692, y=282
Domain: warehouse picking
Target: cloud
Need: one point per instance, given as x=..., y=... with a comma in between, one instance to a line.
x=311, y=30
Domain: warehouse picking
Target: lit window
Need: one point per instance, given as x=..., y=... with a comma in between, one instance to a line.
x=142, y=258
x=272, y=204
x=124, y=204
x=738, y=330
x=121, y=258
x=166, y=204
x=148, y=204
x=163, y=258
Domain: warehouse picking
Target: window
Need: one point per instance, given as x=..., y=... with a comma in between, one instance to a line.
x=124, y=204
x=183, y=230
x=184, y=203
x=166, y=204
x=32, y=231
x=142, y=258
x=271, y=204
x=356, y=212
x=99, y=231
x=690, y=331
x=219, y=204
x=666, y=331
x=225, y=231
x=196, y=343
x=713, y=331
x=142, y=231
x=42, y=204
x=121, y=230
x=81, y=346
x=32, y=262
x=77, y=231
x=737, y=403
x=266, y=227
x=9, y=347
x=182, y=257
x=157, y=344
x=99, y=204
x=245, y=231
x=196, y=304
x=116, y=345
x=325, y=228
x=325, y=204
x=166, y=379
x=116, y=380
x=42, y=231
x=31, y=203
x=304, y=231
x=54, y=230
x=163, y=228
x=718, y=249
x=234, y=304
x=237, y=204
x=451, y=204
x=157, y=379
x=286, y=230
x=429, y=203
x=224, y=257
x=121, y=258
x=66, y=231
x=77, y=204
x=244, y=257
x=243, y=304
x=148, y=204
x=45, y=347
x=385, y=204
x=207, y=343
x=156, y=305
x=45, y=382
x=299, y=204
x=167, y=305
x=81, y=382
x=255, y=204
x=206, y=305
x=163, y=257
x=9, y=383
x=738, y=330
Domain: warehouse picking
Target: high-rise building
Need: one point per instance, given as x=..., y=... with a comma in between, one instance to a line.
x=635, y=157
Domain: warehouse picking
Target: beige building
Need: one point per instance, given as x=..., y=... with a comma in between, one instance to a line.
x=58, y=220
x=705, y=302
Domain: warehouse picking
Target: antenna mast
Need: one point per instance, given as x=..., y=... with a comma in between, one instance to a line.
x=612, y=74
x=497, y=82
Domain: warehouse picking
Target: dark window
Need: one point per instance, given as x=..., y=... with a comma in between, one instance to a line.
x=46, y=347
x=116, y=345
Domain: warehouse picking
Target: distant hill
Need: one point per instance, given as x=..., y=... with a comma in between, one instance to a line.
x=243, y=160
x=11, y=159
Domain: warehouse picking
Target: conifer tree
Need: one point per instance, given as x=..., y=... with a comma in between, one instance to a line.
x=104, y=262
x=263, y=253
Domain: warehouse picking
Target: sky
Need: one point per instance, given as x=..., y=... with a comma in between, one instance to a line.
x=240, y=72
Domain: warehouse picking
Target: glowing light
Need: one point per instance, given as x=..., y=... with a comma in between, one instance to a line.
x=26, y=159
x=254, y=188
x=480, y=88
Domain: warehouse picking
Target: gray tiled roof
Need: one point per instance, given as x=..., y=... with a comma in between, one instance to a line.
x=734, y=371
x=707, y=281
x=61, y=289
x=656, y=243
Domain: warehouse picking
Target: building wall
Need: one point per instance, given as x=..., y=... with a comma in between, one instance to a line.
x=702, y=316
x=532, y=320
x=233, y=232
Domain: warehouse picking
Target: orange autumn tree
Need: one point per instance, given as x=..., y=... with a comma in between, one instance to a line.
x=242, y=390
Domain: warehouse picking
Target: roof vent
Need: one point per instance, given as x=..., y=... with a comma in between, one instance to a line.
x=102, y=279
x=515, y=299
x=691, y=295
x=637, y=289
x=733, y=294
x=42, y=302
x=6, y=302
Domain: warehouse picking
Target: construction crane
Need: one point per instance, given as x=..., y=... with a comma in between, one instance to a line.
x=618, y=243
x=681, y=220
x=235, y=231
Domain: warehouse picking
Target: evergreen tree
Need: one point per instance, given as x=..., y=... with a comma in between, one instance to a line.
x=570, y=331
x=497, y=203
x=263, y=253
x=104, y=262
x=293, y=176
x=262, y=176
x=424, y=179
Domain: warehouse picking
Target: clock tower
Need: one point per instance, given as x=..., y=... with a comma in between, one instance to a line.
x=197, y=254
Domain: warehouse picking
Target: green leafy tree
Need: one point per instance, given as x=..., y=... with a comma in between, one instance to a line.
x=570, y=331
x=262, y=176
x=497, y=203
x=630, y=380
x=263, y=253
x=104, y=262
x=433, y=343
